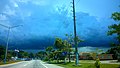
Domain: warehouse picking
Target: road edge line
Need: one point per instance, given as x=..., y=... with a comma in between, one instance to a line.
x=43, y=64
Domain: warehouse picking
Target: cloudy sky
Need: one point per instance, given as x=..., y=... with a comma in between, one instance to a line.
x=49, y=19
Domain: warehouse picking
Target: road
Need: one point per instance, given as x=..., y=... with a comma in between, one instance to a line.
x=30, y=64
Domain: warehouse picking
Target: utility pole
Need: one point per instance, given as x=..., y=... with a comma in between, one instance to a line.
x=7, y=45
x=9, y=28
x=75, y=35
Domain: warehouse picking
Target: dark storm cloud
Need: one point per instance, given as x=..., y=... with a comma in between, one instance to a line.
x=43, y=20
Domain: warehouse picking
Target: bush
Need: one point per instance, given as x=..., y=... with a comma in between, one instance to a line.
x=97, y=63
x=46, y=59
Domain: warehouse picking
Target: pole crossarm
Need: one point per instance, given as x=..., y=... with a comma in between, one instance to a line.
x=5, y=26
x=10, y=27
x=16, y=26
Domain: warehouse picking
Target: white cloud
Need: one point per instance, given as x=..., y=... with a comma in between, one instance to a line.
x=26, y=14
x=9, y=11
x=39, y=2
x=23, y=1
x=16, y=5
x=35, y=2
x=3, y=17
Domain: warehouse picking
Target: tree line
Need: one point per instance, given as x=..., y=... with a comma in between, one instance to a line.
x=61, y=49
x=13, y=53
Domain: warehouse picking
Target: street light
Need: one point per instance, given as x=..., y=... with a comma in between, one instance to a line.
x=9, y=28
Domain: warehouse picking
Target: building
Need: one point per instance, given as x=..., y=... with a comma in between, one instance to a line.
x=90, y=56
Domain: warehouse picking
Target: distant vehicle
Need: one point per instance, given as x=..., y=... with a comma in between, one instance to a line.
x=28, y=59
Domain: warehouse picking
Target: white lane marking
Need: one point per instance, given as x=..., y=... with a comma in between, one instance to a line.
x=25, y=65
x=28, y=63
x=43, y=64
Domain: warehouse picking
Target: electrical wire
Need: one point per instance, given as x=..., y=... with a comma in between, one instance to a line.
x=77, y=2
x=66, y=18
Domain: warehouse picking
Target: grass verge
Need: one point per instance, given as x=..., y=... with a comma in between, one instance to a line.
x=88, y=65
x=8, y=62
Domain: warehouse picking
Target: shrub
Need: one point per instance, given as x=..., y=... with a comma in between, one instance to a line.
x=97, y=63
x=46, y=59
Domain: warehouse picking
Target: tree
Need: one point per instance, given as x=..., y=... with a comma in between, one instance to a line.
x=58, y=44
x=31, y=55
x=49, y=50
x=61, y=49
x=70, y=40
x=41, y=55
x=2, y=52
x=64, y=47
x=115, y=29
x=9, y=55
x=23, y=54
x=113, y=51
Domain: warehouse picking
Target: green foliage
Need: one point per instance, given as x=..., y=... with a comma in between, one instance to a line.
x=112, y=44
x=79, y=40
x=58, y=43
x=12, y=53
x=31, y=55
x=2, y=52
x=61, y=47
x=115, y=29
x=46, y=59
x=26, y=55
x=71, y=39
x=41, y=55
x=49, y=48
x=9, y=55
x=64, y=47
x=23, y=54
x=116, y=16
x=97, y=63
x=113, y=51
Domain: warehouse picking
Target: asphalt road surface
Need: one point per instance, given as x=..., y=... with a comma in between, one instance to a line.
x=30, y=64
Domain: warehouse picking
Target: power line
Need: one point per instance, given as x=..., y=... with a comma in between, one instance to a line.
x=66, y=13
x=77, y=2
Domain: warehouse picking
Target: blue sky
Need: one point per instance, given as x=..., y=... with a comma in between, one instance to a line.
x=47, y=18
x=99, y=8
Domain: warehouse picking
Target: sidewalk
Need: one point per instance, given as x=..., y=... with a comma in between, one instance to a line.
x=50, y=65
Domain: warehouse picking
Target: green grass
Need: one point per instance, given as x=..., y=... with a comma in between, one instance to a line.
x=84, y=64
x=87, y=61
x=88, y=65
x=8, y=62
